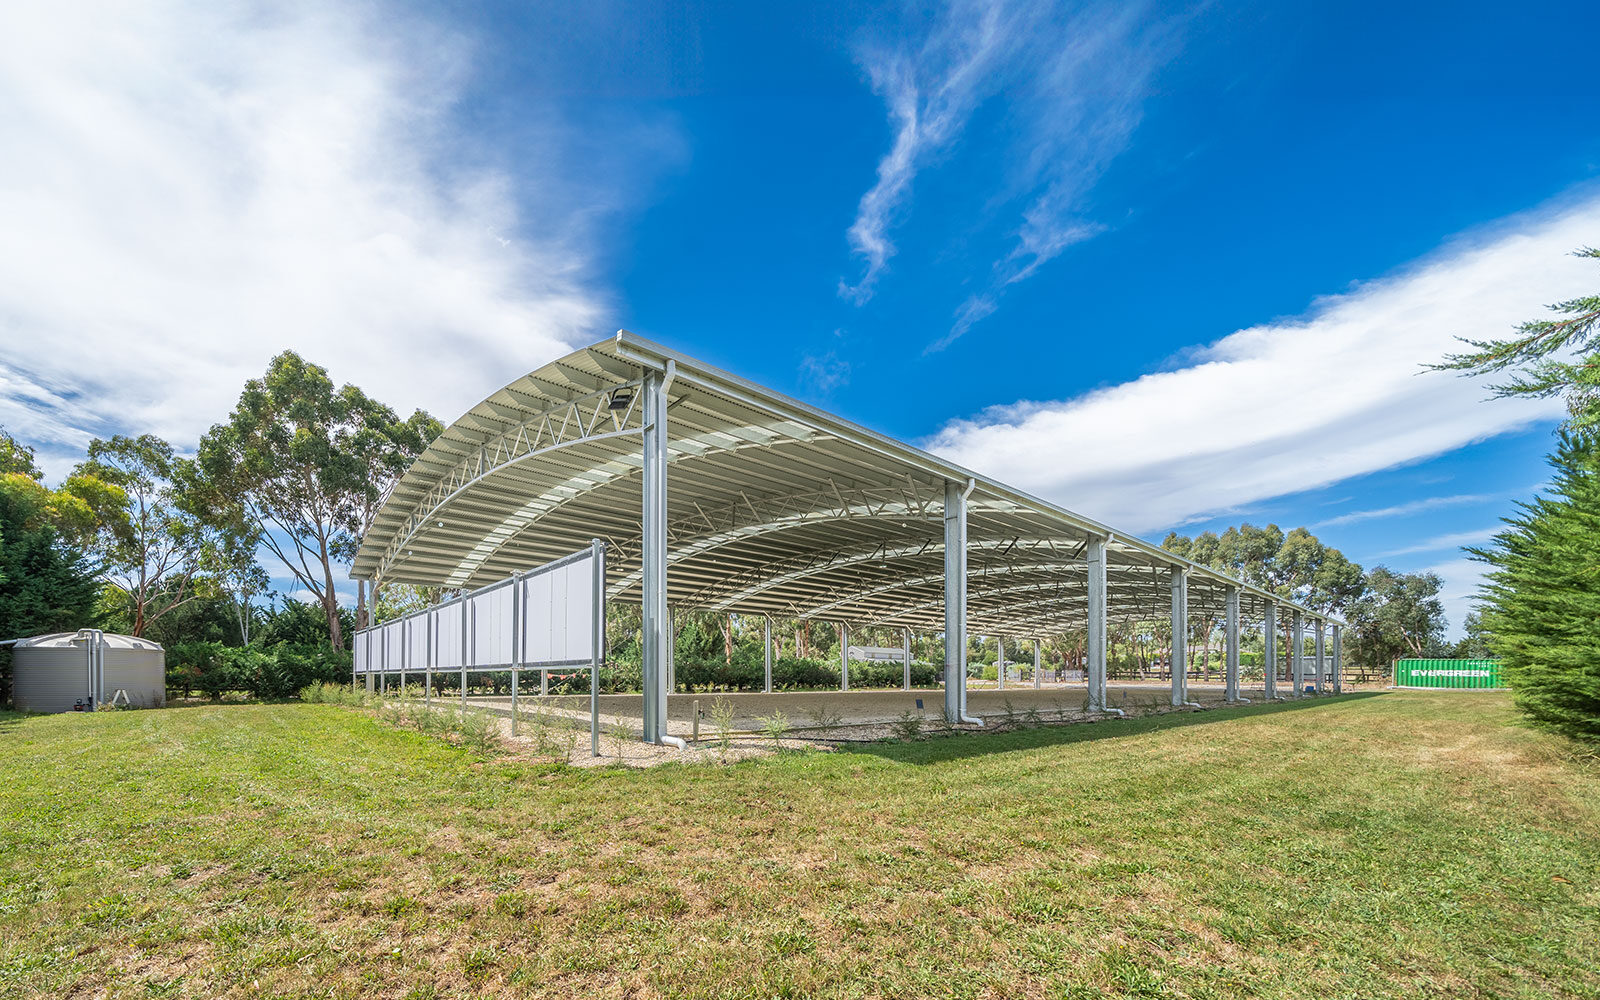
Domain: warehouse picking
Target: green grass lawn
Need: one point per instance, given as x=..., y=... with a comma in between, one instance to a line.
x=1370, y=846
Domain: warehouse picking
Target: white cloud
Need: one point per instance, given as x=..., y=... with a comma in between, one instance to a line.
x=1295, y=405
x=1072, y=81
x=1438, y=543
x=1404, y=509
x=189, y=188
x=1462, y=579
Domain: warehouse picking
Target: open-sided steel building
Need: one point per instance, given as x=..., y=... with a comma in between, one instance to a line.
x=713, y=492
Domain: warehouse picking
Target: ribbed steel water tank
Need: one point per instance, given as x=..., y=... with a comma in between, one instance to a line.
x=56, y=673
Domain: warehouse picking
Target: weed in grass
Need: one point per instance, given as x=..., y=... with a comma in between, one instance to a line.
x=479, y=963
x=620, y=735
x=908, y=727
x=1010, y=720
x=822, y=717
x=776, y=726
x=722, y=715
x=792, y=942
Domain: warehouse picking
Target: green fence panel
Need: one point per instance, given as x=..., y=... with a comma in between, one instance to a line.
x=1453, y=674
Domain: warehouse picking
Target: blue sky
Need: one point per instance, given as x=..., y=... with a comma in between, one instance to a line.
x=1169, y=265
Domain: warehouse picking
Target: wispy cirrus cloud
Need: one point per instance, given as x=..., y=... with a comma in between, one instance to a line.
x=1439, y=543
x=1071, y=81
x=1297, y=404
x=1405, y=510
x=190, y=188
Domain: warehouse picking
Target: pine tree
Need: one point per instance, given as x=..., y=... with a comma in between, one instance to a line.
x=1542, y=599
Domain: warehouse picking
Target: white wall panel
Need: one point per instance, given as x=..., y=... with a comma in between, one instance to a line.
x=558, y=610
x=393, y=640
x=447, y=635
x=490, y=627
x=416, y=640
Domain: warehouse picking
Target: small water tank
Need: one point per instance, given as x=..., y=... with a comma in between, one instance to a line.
x=60, y=672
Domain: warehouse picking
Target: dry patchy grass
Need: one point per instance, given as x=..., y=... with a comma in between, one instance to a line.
x=1363, y=847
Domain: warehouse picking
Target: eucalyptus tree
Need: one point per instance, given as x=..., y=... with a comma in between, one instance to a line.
x=307, y=464
x=1399, y=615
x=1294, y=565
x=155, y=550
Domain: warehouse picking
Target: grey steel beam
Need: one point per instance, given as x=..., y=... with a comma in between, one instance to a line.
x=1038, y=682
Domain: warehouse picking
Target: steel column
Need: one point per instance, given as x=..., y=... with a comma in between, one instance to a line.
x=1338, y=667
x=672, y=648
x=1000, y=671
x=597, y=651
x=844, y=656
x=1321, y=652
x=1297, y=652
x=1095, y=654
x=955, y=600
x=1037, y=681
x=1231, y=642
x=1179, y=654
x=656, y=627
x=1269, y=649
x=905, y=640
x=766, y=648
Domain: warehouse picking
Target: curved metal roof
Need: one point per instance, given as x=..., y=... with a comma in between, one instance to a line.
x=773, y=506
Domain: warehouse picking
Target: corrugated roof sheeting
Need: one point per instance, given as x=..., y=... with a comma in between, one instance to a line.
x=773, y=506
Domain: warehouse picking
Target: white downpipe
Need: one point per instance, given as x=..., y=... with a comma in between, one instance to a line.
x=96, y=649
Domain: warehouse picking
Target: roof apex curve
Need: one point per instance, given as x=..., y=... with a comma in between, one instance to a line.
x=465, y=506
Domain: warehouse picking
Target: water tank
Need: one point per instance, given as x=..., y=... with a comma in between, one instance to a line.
x=57, y=673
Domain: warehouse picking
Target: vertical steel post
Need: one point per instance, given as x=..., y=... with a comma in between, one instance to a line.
x=1338, y=667
x=1000, y=662
x=516, y=660
x=1179, y=654
x=672, y=647
x=597, y=651
x=844, y=656
x=905, y=673
x=656, y=628
x=1297, y=652
x=1321, y=652
x=1096, y=651
x=1038, y=681
x=1269, y=650
x=766, y=651
x=955, y=600
x=1230, y=639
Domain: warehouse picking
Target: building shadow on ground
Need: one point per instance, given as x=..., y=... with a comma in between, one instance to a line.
x=978, y=743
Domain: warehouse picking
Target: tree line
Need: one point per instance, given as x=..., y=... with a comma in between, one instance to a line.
x=141, y=540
